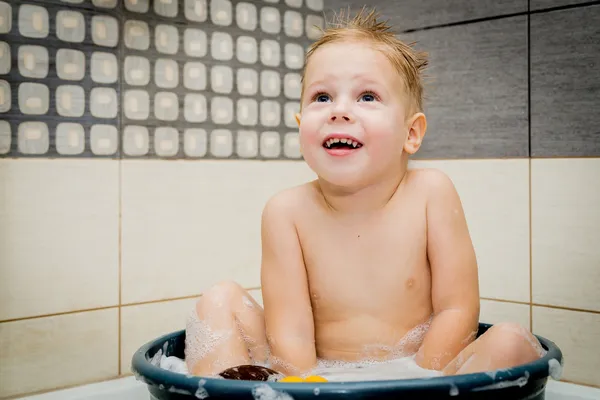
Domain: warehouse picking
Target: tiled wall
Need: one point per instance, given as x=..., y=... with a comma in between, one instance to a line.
x=126, y=187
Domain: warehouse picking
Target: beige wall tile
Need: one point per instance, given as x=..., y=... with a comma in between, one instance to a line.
x=143, y=323
x=58, y=236
x=495, y=196
x=494, y=312
x=187, y=225
x=566, y=232
x=45, y=353
x=577, y=334
x=257, y=295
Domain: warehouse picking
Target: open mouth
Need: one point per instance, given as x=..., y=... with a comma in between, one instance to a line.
x=342, y=143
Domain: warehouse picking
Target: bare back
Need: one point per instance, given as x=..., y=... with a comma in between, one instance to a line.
x=369, y=278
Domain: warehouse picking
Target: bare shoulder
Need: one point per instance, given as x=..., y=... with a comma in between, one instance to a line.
x=433, y=182
x=287, y=203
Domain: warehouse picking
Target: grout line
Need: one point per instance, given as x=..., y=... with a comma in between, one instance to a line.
x=529, y=166
x=120, y=236
x=503, y=16
x=565, y=308
x=139, y=303
x=525, y=303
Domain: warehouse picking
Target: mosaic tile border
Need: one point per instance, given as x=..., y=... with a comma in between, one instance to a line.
x=101, y=79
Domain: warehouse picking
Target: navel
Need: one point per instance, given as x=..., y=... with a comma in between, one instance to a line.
x=410, y=282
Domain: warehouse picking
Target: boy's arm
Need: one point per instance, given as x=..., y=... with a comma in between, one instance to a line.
x=454, y=278
x=288, y=311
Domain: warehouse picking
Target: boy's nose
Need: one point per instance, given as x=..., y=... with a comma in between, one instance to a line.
x=340, y=117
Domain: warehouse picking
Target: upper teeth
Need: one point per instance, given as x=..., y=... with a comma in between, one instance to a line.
x=336, y=140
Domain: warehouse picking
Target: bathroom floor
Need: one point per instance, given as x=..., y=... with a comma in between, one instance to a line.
x=130, y=389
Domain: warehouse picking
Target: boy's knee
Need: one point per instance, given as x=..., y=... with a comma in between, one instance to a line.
x=221, y=294
x=515, y=341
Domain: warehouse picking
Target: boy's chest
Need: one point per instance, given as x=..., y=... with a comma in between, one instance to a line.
x=355, y=262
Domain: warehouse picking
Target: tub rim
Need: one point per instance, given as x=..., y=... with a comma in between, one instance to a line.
x=536, y=371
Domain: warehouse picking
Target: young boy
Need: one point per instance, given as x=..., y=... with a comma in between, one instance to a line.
x=371, y=261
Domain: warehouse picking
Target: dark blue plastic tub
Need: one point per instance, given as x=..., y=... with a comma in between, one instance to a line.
x=526, y=381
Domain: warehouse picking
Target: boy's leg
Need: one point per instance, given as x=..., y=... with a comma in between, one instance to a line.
x=504, y=345
x=225, y=330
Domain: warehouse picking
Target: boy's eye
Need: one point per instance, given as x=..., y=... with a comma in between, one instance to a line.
x=321, y=98
x=367, y=97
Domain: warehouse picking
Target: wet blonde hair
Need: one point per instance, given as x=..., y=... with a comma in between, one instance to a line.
x=365, y=26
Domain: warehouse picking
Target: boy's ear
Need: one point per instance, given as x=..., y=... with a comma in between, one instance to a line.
x=417, y=126
x=298, y=118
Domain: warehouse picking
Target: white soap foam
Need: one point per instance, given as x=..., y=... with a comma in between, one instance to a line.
x=266, y=392
x=555, y=369
x=201, y=339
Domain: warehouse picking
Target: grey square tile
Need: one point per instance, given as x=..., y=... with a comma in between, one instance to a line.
x=104, y=68
x=70, y=101
x=221, y=12
x=166, y=141
x=292, y=85
x=5, y=17
x=294, y=3
x=195, y=10
x=314, y=26
x=5, y=137
x=221, y=110
x=270, y=113
x=294, y=56
x=34, y=98
x=166, y=8
x=136, y=104
x=270, y=83
x=194, y=142
x=476, y=90
x=247, y=49
x=221, y=46
x=104, y=139
x=194, y=76
x=565, y=94
x=5, y=96
x=316, y=5
x=166, y=39
x=413, y=14
x=221, y=143
x=291, y=145
x=105, y=3
x=166, y=73
x=70, y=26
x=70, y=64
x=33, y=138
x=246, y=16
x=247, y=112
x=5, y=58
x=137, y=35
x=221, y=79
x=166, y=106
x=270, y=144
x=104, y=102
x=270, y=20
x=247, y=144
x=137, y=6
x=247, y=81
x=195, y=42
x=34, y=21
x=195, y=108
x=70, y=138
x=270, y=53
x=293, y=24
x=33, y=62
x=136, y=141
x=136, y=70
x=105, y=30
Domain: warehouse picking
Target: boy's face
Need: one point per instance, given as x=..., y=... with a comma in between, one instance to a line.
x=352, y=93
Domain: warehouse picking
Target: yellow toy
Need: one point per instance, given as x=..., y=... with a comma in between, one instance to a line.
x=312, y=378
